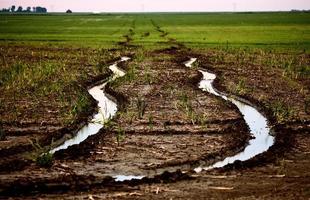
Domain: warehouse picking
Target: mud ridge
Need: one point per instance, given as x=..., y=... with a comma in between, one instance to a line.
x=73, y=183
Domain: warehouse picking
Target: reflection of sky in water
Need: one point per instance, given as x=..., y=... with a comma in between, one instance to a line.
x=256, y=122
x=121, y=178
x=190, y=62
x=107, y=109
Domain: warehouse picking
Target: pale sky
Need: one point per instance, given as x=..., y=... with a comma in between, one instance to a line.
x=160, y=5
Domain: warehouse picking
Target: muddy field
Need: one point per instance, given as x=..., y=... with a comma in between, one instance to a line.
x=165, y=127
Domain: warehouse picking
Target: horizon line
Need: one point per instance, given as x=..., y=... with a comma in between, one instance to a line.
x=223, y=11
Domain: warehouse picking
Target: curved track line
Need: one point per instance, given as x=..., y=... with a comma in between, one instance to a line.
x=256, y=121
x=107, y=109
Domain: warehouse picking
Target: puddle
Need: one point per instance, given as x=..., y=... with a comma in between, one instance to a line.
x=257, y=123
x=106, y=107
x=190, y=62
x=121, y=178
x=117, y=71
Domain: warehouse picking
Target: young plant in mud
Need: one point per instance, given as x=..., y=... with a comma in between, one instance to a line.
x=103, y=58
x=130, y=75
x=120, y=135
x=139, y=56
x=102, y=68
x=45, y=160
x=79, y=105
x=4, y=62
x=148, y=78
x=186, y=105
x=196, y=64
x=240, y=88
x=109, y=124
x=281, y=112
x=141, y=106
x=151, y=122
x=43, y=157
x=128, y=116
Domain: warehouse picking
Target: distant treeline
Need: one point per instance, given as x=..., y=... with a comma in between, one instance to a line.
x=20, y=9
x=300, y=10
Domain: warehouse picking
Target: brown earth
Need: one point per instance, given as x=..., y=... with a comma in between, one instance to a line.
x=179, y=128
x=30, y=116
x=286, y=177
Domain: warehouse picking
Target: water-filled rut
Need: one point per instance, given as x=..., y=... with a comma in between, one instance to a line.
x=256, y=121
x=107, y=108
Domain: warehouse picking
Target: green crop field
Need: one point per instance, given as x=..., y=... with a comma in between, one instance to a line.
x=267, y=30
x=155, y=95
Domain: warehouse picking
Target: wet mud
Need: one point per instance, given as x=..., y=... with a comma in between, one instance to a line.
x=165, y=127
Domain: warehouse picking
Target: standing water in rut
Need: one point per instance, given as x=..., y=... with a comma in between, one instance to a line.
x=106, y=107
x=257, y=123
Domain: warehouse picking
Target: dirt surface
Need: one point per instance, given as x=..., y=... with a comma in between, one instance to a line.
x=179, y=125
x=287, y=177
x=166, y=123
x=35, y=109
x=283, y=97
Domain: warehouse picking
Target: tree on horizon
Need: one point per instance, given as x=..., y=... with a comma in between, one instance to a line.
x=13, y=8
x=19, y=9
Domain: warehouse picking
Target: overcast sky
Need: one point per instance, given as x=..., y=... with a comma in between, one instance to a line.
x=161, y=5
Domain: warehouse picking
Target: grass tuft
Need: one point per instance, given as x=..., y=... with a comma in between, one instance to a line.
x=141, y=106
x=45, y=160
x=120, y=135
x=42, y=156
x=281, y=112
x=240, y=88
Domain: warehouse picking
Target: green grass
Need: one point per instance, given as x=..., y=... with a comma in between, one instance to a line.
x=32, y=75
x=267, y=30
x=45, y=69
x=281, y=112
x=120, y=135
x=45, y=160
x=32, y=72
